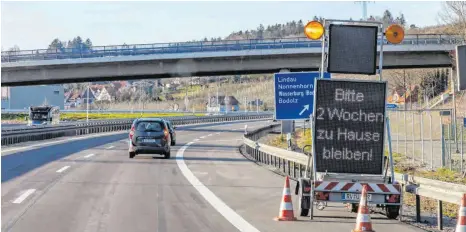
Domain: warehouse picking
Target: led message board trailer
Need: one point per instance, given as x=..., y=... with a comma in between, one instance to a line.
x=349, y=126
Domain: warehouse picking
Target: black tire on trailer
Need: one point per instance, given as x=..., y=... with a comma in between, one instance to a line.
x=304, y=212
x=132, y=154
x=392, y=211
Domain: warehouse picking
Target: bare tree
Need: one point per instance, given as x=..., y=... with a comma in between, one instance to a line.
x=454, y=15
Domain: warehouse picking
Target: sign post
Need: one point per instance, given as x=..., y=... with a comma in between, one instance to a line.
x=349, y=126
x=294, y=94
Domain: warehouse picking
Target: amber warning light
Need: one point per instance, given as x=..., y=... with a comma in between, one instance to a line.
x=314, y=30
x=395, y=34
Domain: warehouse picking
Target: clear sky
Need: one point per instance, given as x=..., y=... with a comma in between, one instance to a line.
x=33, y=25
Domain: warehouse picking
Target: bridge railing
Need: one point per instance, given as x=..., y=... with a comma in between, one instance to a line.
x=189, y=47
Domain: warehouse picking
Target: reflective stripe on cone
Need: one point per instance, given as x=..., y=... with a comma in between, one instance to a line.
x=461, y=224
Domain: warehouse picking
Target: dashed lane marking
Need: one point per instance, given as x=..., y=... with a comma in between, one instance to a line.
x=63, y=169
x=23, y=196
x=87, y=156
x=110, y=147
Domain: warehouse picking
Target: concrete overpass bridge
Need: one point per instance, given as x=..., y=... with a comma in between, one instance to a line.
x=45, y=66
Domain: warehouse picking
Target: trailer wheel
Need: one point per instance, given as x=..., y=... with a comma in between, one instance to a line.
x=392, y=211
x=304, y=212
x=354, y=208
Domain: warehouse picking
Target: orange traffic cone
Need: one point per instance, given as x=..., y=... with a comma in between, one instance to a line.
x=363, y=221
x=461, y=224
x=286, y=206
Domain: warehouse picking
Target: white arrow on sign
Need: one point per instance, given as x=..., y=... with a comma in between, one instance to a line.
x=306, y=107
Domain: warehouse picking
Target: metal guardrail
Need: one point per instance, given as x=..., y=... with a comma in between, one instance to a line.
x=293, y=164
x=81, y=128
x=203, y=46
x=97, y=121
x=135, y=111
x=289, y=162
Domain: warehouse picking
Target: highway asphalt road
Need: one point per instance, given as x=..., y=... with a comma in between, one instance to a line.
x=207, y=185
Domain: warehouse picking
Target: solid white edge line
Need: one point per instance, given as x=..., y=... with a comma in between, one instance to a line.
x=229, y=214
x=23, y=196
x=225, y=140
x=87, y=156
x=62, y=169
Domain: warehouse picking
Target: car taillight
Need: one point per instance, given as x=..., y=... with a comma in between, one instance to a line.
x=131, y=133
x=165, y=132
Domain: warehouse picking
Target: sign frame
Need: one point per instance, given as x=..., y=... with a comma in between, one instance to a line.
x=374, y=56
x=318, y=75
x=384, y=137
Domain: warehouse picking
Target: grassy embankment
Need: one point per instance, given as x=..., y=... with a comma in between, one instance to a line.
x=402, y=165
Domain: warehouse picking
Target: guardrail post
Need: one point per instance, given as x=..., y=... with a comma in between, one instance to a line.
x=418, y=208
x=439, y=215
x=442, y=161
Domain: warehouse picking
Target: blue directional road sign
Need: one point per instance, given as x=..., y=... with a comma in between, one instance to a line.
x=294, y=94
x=391, y=106
x=464, y=122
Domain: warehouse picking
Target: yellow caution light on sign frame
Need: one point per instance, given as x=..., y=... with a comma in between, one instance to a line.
x=314, y=30
x=395, y=34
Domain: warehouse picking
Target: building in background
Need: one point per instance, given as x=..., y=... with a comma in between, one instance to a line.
x=21, y=97
x=225, y=104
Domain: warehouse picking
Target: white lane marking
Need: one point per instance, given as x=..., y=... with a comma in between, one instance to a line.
x=225, y=140
x=110, y=147
x=229, y=214
x=209, y=135
x=217, y=133
x=61, y=141
x=195, y=140
x=202, y=137
x=87, y=156
x=24, y=196
x=62, y=169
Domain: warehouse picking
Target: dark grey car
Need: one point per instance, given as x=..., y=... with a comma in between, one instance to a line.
x=149, y=136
